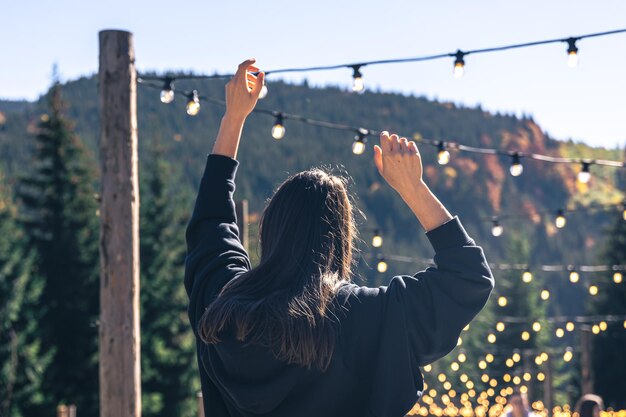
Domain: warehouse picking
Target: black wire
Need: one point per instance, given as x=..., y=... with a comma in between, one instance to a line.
x=410, y=59
x=372, y=132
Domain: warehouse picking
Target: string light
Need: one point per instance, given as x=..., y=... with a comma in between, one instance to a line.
x=500, y=326
x=496, y=228
x=570, y=326
x=525, y=336
x=358, y=146
x=459, y=64
x=545, y=294
x=457, y=146
x=443, y=156
x=382, y=265
x=560, y=332
x=617, y=277
x=572, y=53
x=595, y=329
x=574, y=276
x=516, y=168
x=491, y=338
x=593, y=290
x=560, y=219
x=603, y=326
x=502, y=301
x=193, y=103
x=536, y=326
x=377, y=239
x=527, y=276
x=167, y=93
x=584, y=175
x=568, y=355
x=357, y=83
x=278, y=130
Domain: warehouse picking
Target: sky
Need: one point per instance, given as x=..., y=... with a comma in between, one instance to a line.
x=586, y=103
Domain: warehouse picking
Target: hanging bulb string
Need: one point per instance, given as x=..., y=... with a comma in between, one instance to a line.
x=447, y=145
x=558, y=319
x=516, y=267
x=456, y=54
x=588, y=209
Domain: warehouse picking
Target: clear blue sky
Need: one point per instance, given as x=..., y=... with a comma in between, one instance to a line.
x=587, y=103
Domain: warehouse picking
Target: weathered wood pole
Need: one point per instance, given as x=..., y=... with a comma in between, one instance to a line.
x=119, y=349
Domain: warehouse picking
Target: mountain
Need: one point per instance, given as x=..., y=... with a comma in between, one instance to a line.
x=475, y=187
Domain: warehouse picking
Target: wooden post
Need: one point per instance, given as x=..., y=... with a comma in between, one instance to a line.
x=200, y=404
x=241, y=209
x=120, y=378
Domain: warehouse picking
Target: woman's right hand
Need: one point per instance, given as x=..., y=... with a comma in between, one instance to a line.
x=399, y=162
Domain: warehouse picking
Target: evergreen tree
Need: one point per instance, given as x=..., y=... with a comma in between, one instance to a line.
x=609, y=361
x=60, y=220
x=169, y=374
x=20, y=365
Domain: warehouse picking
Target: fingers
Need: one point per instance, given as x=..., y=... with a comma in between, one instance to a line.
x=243, y=67
x=256, y=89
x=378, y=158
x=390, y=144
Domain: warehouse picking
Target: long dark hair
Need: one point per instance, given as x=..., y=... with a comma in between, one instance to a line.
x=307, y=235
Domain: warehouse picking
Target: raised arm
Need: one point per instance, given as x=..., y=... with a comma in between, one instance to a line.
x=215, y=254
x=392, y=330
x=242, y=94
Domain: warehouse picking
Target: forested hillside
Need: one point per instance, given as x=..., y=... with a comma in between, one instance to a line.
x=173, y=148
x=475, y=187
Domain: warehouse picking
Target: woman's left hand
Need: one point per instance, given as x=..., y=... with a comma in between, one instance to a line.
x=242, y=91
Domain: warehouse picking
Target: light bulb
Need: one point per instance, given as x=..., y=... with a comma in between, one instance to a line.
x=496, y=229
x=193, y=104
x=263, y=92
x=459, y=64
x=536, y=326
x=516, y=168
x=357, y=84
x=570, y=326
x=381, y=266
x=560, y=219
x=500, y=326
x=584, y=175
x=502, y=301
x=545, y=294
x=593, y=290
x=560, y=332
x=377, y=239
x=358, y=146
x=278, y=130
x=525, y=335
x=574, y=277
x=572, y=53
x=568, y=355
x=527, y=276
x=617, y=277
x=167, y=93
x=443, y=156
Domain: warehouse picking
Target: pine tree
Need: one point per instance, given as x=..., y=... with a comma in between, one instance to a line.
x=169, y=374
x=60, y=220
x=609, y=362
x=20, y=381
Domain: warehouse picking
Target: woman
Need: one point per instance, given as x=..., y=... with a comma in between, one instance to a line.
x=294, y=336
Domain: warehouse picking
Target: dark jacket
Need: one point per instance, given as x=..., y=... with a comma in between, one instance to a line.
x=384, y=334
